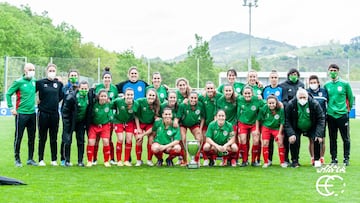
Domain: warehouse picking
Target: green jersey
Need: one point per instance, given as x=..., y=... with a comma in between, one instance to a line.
x=270, y=119
x=256, y=90
x=82, y=104
x=112, y=92
x=123, y=112
x=238, y=87
x=165, y=135
x=101, y=114
x=161, y=92
x=304, y=122
x=248, y=110
x=229, y=108
x=210, y=104
x=190, y=115
x=220, y=135
x=340, y=94
x=143, y=112
x=180, y=97
x=25, y=95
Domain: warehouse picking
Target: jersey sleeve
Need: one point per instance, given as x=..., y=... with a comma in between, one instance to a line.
x=13, y=88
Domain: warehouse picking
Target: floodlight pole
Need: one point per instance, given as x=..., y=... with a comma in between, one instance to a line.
x=250, y=3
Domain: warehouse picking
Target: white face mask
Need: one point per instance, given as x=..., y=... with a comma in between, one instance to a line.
x=30, y=74
x=314, y=86
x=302, y=102
x=51, y=75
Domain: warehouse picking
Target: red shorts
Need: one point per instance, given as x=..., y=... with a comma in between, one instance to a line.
x=128, y=127
x=246, y=128
x=100, y=130
x=191, y=127
x=266, y=133
x=204, y=129
x=144, y=127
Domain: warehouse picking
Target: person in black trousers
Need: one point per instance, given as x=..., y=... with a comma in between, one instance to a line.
x=50, y=94
x=74, y=115
x=304, y=116
x=24, y=112
x=289, y=88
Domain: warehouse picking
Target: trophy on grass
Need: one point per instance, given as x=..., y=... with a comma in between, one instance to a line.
x=192, y=148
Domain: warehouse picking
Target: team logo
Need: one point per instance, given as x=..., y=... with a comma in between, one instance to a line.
x=130, y=111
x=253, y=108
x=144, y=108
x=225, y=133
x=339, y=88
x=96, y=110
x=162, y=95
x=139, y=88
x=323, y=185
x=45, y=85
x=277, y=116
x=122, y=108
x=55, y=85
x=106, y=109
x=238, y=90
x=258, y=91
x=111, y=94
x=25, y=85
x=197, y=112
x=307, y=110
x=277, y=93
x=320, y=94
x=215, y=132
x=225, y=107
x=168, y=132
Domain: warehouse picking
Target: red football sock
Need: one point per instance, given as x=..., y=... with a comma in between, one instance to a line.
x=266, y=154
x=138, y=149
x=254, y=152
x=118, y=151
x=197, y=157
x=106, y=151
x=244, y=152
x=281, y=154
x=111, y=145
x=159, y=155
x=128, y=147
x=149, y=152
x=205, y=157
x=90, y=153
x=173, y=154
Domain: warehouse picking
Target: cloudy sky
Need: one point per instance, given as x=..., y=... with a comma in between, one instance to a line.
x=165, y=28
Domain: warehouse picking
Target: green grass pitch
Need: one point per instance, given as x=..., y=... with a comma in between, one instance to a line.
x=175, y=184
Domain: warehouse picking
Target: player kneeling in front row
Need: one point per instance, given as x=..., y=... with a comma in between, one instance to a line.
x=167, y=139
x=220, y=139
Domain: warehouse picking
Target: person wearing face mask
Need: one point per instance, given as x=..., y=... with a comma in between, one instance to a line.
x=24, y=112
x=139, y=86
x=289, y=88
x=319, y=94
x=340, y=101
x=304, y=116
x=50, y=94
x=74, y=114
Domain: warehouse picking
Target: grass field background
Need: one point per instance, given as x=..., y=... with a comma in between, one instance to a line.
x=175, y=184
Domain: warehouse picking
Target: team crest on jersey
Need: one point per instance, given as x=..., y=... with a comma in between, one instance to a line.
x=225, y=133
x=307, y=110
x=45, y=85
x=258, y=91
x=130, y=111
x=25, y=85
x=122, y=108
x=277, y=93
x=197, y=112
x=168, y=132
x=320, y=94
x=55, y=85
x=162, y=95
x=139, y=88
x=106, y=109
x=238, y=90
x=96, y=110
x=144, y=108
x=277, y=116
x=215, y=132
x=225, y=107
x=253, y=108
x=339, y=88
x=111, y=94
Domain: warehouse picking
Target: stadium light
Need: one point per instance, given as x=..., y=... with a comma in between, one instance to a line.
x=250, y=3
